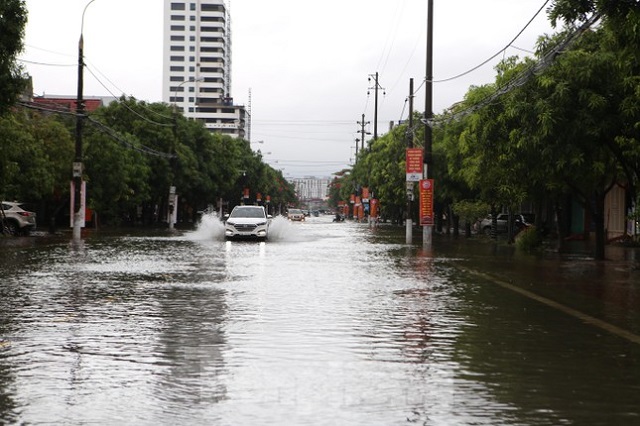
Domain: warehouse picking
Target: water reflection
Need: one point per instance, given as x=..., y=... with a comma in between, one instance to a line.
x=323, y=324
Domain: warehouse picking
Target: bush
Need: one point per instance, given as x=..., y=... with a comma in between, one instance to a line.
x=529, y=239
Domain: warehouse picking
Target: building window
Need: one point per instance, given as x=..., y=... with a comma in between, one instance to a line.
x=211, y=39
x=177, y=48
x=210, y=49
x=176, y=78
x=192, y=48
x=177, y=6
x=177, y=17
x=211, y=19
x=177, y=38
x=176, y=69
x=177, y=28
x=192, y=28
x=192, y=69
x=192, y=6
x=192, y=18
x=176, y=58
x=211, y=8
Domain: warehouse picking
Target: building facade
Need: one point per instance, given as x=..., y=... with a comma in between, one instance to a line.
x=197, y=64
x=309, y=188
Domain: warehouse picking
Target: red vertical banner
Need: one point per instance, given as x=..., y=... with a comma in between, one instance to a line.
x=374, y=207
x=426, y=202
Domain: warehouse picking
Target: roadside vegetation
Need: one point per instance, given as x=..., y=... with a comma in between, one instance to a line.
x=572, y=129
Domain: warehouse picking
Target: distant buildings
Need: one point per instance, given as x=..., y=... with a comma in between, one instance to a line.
x=311, y=188
x=197, y=64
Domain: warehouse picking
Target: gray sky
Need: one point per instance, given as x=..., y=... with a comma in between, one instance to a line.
x=306, y=63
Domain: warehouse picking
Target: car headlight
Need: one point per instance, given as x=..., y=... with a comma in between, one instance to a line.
x=231, y=223
x=261, y=223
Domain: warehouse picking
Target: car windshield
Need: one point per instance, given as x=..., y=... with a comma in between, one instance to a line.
x=295, y=211
x=257, y=212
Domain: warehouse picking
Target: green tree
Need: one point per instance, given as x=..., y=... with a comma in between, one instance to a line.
x=13, y=18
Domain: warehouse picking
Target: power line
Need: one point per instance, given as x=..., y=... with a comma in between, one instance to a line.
x=497, y=53
x=523, y=77
x=101, y=126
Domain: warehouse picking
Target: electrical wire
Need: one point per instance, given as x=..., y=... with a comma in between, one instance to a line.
x=498, y=53
x=101, y=126
x=124, y=104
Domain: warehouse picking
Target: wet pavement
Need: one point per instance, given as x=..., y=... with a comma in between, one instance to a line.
x=324, y=324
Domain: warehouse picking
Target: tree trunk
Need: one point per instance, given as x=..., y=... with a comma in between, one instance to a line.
x=598, y=218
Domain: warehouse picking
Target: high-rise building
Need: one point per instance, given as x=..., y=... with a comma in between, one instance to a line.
x=197, y=64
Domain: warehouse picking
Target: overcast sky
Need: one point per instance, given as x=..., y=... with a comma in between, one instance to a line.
x=306, y=63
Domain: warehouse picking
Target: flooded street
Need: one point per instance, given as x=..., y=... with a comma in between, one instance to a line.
x=324, y=324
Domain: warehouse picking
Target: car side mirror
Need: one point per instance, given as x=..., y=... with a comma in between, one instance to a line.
x=269, y=216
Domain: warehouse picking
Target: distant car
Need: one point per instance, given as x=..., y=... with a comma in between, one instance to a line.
x=16, y=219
x=502, y=221
x=247, y=222
x=295, y=215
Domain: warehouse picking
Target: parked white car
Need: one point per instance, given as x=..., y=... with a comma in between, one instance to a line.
x=15, y=219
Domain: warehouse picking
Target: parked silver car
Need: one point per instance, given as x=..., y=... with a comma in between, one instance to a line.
x=15, y=219
x=502, y=221
x=247, y=222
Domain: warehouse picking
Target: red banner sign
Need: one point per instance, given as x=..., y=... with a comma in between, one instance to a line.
x=426, y=202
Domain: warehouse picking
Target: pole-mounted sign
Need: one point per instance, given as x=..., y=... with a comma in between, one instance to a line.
x=414, y=164
x=426, y=202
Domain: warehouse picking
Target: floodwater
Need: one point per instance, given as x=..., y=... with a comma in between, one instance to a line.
x=324, y=324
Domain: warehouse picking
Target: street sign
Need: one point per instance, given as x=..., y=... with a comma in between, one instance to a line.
x=414, y=164
x=426, y=202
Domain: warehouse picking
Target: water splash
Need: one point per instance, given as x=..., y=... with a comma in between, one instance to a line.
x=212, y=228
x=209, y=228
x=283, y=230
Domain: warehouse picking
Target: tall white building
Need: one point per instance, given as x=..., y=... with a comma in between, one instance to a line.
x=197, y=64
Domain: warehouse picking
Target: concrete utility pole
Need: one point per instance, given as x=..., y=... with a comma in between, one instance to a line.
x=376, y=87
x=427, y=231
x=409, y=220
x=78, y=214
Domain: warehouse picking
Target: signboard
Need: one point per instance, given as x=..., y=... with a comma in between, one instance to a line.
x=426, y=202
x=414, y=164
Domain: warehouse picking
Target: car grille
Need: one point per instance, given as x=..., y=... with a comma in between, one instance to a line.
x=248, y=227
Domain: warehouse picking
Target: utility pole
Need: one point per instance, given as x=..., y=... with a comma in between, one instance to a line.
x=376, y=87
x=78, y=214
x=427, y=231
x=409, y=220
x=362, y=133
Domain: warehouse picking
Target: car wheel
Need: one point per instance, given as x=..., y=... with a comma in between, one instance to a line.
x=11, y=228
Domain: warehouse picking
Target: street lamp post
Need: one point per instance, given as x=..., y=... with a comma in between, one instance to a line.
x=78, y=214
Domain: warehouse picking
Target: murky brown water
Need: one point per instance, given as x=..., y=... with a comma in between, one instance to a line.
x=324, y=324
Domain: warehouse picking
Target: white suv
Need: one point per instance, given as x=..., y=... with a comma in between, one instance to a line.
x=247, y=222
x=15, y=219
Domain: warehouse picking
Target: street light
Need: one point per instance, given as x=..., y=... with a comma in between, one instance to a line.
x=173, y=196
x=78, y=214
x=175, y=92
